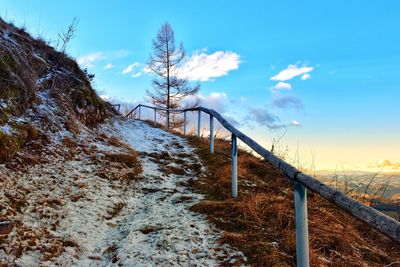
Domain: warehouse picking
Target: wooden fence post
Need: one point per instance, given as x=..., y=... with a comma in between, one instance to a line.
x=300, y=203
x=184, y=123
x=211, y=134
x=234, y=166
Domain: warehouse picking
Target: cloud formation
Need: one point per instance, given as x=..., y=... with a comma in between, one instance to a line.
x=88, y=60
x=105, y=97
x=119, y=54
x=388, y=163
x=295, y=123
x=203, y=67
x=284, y=102
x=130, y=67
x=216, y=101
x=282, y=86
x=305, y=76
x=135, y=75
x=109, y=66
x=292, y=71
x=263, y=117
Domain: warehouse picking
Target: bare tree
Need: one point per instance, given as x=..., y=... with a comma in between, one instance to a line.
x=168, y=89
x=65, y=38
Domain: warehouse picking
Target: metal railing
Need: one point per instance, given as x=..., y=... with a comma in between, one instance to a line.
x=117, y=107
x=375, y=219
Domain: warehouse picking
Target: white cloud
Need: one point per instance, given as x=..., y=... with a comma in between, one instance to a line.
x=216, y=101
x=203, y=67
x=147, y=70
x=88, y=60
x=130, y=68
x=119, y=54
x=295, y=123
x=135, y=75
x=283, y=86
x=105, y=97
x=305, y=76
x=291, y=71
x=109, y=66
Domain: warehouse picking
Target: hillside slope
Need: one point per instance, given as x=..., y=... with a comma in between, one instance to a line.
x=43, y=92
x=260, y=222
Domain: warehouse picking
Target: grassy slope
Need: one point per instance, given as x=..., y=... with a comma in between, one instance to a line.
x=260, y=222
x=27, y=68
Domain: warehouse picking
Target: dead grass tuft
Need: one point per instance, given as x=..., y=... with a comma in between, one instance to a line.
x=72, y=126
x=129, y=159
x=117, y=142
x=25, y=136
x=129, y=169
x=69, y=142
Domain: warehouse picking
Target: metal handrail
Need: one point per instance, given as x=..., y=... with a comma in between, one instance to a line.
x=118, y=106
x=375, y=219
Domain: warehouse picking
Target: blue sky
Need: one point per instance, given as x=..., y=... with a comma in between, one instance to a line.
x=346, y=105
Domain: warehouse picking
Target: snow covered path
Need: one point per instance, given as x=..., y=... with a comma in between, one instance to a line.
x=156, y=226
x=81, y=208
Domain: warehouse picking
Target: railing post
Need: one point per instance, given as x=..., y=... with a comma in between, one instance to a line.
x=234, y=166
x=167, y=119
x=198, y=124
x=300, y=203
x=139, y=111
x=155, y=118
x=184, y=123
x=211, y=134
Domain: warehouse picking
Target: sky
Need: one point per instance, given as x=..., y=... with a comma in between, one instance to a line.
x=325, y=73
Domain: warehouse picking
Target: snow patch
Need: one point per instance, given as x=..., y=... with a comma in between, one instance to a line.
x=6, y=129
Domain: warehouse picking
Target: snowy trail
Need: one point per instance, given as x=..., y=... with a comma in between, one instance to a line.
x=77, y=211
x=156, y=227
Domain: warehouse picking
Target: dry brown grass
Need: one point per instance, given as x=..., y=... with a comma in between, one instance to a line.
x=131, y=167
x=72, y=126
x=69, y=142
x=129, y=159
x=25, y=136
x=260, y=222
x=116, y=141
